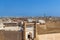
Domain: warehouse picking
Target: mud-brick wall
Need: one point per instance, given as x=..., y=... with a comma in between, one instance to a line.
x=10, y=35
x=1, y=35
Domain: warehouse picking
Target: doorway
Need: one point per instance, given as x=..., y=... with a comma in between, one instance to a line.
x=29, y=33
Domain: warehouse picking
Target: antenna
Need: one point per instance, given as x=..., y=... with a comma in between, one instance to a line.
x=44, y=14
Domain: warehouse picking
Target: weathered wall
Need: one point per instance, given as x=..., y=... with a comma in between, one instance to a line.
x=10, y=35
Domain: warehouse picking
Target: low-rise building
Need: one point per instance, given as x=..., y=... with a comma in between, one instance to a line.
x=12, y=26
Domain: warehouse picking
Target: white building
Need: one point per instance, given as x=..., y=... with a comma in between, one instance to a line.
x=30, y=20
x=41, y=21
x=13, y=26
x=1, y=26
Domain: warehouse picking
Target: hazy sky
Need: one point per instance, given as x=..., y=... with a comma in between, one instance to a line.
x=29, y=7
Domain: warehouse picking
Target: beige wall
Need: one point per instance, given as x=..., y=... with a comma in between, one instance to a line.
x=54, y=36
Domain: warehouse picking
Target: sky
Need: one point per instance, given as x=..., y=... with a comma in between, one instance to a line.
x=29, y=7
